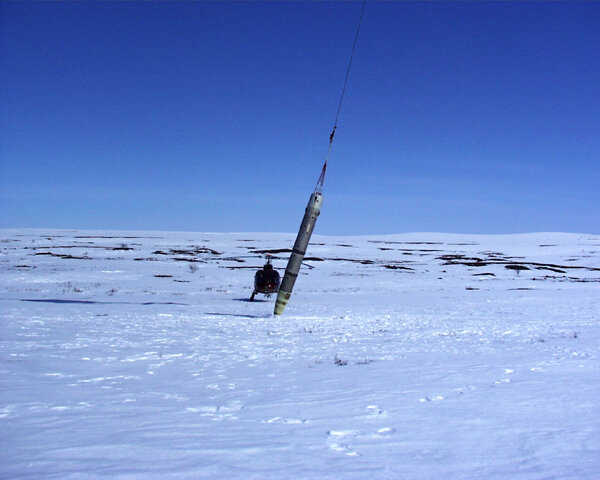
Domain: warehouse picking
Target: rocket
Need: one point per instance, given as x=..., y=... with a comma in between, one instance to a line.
x=293, y=267
x=312, y=209
x=306, y=229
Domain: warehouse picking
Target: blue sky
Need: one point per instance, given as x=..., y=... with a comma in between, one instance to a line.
x=198, y=116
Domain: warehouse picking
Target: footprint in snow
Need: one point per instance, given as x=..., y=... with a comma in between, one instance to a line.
x=463, y=390
x=383, y=432
x=289, y=421
x=507, y=371
x=175, y=396
x=220, y=412
x=437, y=398
x=457, y=391
x=373, y=411
x=8, y=411
x=204, y=411
x=233, y=406
x=336, y=441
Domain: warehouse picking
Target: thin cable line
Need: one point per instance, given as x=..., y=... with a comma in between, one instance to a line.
x=319, y=186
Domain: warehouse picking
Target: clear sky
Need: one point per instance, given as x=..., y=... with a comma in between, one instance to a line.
x=215, y=116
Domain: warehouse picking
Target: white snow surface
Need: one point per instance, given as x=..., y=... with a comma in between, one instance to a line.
x=136, y=355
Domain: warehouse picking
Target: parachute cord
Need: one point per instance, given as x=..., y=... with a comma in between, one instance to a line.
x=319, y=187
x=349, y=65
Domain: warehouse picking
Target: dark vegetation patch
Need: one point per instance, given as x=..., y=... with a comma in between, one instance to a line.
x=41, y=236
x=234, y=259
x=385, y=242
x=418, y=250
x=249, y=267
x=424, y=243
x=398, y=267
x=274, y=251
x=352, y=260
x=194, y=251
x=568, y=279
x=552, y=269
x=516, y=267
x=62, y=247
x=458, y=259
x=510, y=263
x=411, y=251
x=475, y=263
x=66, y=257
x=390, y=266
x=191, y=252
x=567, y=267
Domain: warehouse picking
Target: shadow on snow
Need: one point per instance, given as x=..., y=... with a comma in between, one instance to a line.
x=236, y=315
x=94, y=302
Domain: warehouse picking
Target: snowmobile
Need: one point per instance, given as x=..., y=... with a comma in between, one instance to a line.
x=266, y=280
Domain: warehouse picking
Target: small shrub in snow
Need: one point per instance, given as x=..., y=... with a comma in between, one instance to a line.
x=339, y=362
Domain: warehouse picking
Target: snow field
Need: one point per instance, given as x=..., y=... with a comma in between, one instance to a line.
x=120, y=362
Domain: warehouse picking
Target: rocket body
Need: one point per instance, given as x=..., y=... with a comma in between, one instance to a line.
x=293, y=267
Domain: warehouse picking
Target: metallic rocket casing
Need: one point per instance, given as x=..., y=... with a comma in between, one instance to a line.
x=293, y=267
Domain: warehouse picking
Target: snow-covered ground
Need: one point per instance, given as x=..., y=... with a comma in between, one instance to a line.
x=136, y=355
